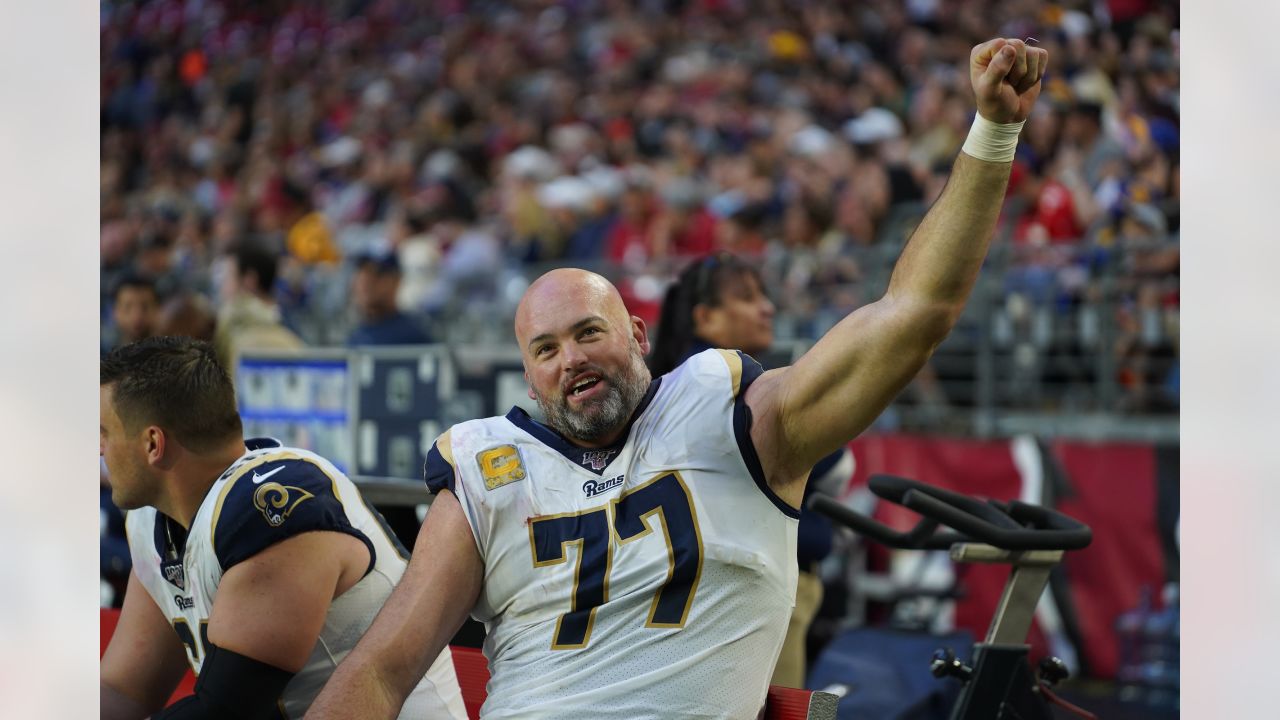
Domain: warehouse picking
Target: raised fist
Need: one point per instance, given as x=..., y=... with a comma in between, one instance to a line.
x=1006, y=78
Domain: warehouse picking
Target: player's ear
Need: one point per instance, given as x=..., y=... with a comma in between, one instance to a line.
x=532, y=396
x=156, y=445
x=640, y=332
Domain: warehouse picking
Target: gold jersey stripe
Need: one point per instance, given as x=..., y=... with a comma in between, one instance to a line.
x=734, y=361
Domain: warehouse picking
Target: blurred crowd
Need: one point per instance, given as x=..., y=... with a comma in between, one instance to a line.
x=389, y=167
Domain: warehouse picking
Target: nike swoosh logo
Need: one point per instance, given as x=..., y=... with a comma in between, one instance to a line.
x=259, y=478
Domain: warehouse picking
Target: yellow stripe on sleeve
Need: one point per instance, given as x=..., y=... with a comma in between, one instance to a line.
x=734, y=361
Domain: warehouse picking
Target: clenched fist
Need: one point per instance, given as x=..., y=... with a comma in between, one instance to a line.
x=1006, y=78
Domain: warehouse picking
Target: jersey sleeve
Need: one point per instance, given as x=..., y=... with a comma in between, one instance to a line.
x=743, y=370
x=276, y=500
x=439, y=471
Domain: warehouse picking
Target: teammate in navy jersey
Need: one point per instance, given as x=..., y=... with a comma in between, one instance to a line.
x=257, y=565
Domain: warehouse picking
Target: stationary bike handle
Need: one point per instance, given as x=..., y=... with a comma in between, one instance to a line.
x=1012, y=526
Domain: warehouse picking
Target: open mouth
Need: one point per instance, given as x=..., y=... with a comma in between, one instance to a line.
x=584, y=386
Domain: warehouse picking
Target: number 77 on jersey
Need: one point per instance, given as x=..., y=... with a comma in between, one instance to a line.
x=664, y=503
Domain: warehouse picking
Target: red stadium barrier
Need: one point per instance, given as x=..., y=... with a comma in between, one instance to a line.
x=1113, y=489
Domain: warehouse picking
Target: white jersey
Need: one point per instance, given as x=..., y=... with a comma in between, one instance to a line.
x=272, y=493
x=651, y=579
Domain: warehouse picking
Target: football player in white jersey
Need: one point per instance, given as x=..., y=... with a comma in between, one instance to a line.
x=635, y=557
x=258, y=565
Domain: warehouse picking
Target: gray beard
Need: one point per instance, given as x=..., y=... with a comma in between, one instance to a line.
x=603, y=416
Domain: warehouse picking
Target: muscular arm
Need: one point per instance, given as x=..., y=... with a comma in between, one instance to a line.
x=266, y=619
x=271, y=607
x=438, y=589
x=143, y=663
x=846, y=380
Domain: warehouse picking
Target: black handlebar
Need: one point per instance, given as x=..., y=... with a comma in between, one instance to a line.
x=1013, y=526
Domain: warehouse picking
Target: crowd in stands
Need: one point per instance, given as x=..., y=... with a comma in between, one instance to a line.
x=441, y=153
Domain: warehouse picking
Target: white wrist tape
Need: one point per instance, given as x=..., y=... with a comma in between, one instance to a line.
x=993, y=142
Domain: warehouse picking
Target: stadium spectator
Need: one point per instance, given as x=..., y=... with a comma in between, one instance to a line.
x=683, y=228
x=249, y=318
x=134, y=312
x=631, y=242
x=374, y=290
x=188, y=314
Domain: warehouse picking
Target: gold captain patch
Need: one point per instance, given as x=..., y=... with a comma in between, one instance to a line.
x=276, y=501
x=500, y=466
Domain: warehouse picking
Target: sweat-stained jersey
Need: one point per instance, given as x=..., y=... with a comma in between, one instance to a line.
x=268, y=495
x=650, y=579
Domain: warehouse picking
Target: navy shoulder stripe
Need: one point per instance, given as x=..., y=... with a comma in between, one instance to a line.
x=272, y=500
x=751, y=371
x=439, y=470
x=744, y=370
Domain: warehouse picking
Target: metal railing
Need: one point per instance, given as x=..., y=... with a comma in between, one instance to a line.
x=1076, y=339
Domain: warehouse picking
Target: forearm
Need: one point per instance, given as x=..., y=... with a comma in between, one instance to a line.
x=940, y=263
x=356, y=689
x=847, y=379
x=144, y=661
x=415, y=624
x=374, y=680
x=115, y=705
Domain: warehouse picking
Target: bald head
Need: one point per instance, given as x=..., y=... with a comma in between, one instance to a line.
x=566, y=296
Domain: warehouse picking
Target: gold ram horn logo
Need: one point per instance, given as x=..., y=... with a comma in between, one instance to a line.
x=276, y=501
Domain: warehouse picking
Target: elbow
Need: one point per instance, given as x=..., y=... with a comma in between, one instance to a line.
x=933, y=321
x=927, y=312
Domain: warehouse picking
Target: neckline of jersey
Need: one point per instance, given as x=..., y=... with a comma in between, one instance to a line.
x=554, y=440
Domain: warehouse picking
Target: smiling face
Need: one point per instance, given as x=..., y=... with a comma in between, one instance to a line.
x=583, y=355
